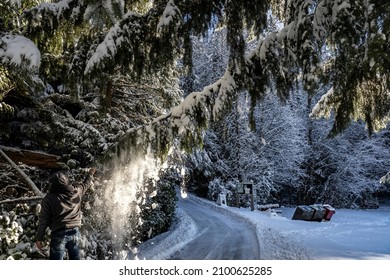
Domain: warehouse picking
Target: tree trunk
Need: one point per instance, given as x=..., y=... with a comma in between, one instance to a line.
x=27, y=179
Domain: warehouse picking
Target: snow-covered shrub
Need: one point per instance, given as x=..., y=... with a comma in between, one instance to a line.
x=17, y=233
x=159, y=208
x=199, y=172
x=10, y=231
x=215, y=188
x=228, y=188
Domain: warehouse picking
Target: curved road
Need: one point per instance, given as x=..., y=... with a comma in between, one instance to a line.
x=220, y=237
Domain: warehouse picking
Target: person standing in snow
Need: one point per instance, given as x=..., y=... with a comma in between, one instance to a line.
x=61, y=212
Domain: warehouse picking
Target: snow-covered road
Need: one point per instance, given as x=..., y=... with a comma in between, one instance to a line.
x=351, y=234
x=204, y=231
x=219, y=237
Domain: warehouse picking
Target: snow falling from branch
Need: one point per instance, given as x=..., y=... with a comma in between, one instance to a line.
x=124, y=195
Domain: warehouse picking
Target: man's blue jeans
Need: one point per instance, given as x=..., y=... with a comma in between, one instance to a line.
x=67, y=239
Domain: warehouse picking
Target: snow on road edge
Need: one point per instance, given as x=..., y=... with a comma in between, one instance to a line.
x=163, y=246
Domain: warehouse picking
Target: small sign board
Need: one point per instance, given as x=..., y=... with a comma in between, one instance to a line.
x=245, y=188
x=240, y=188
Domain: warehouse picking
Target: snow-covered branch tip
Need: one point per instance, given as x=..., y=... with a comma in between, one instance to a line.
x=170, y=14
x=19, y=51
x=206, y=105
x=57, y=9
x=113, y=41
x=323, y=108
x=127, y=29
x=386, y=179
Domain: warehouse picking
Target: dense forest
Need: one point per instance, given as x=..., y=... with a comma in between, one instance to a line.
x=292, y=96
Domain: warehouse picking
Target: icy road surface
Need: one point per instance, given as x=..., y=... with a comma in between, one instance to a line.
x=219, y=237
x=203, y=233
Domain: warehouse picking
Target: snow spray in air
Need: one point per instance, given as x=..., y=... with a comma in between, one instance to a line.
x=123, y=197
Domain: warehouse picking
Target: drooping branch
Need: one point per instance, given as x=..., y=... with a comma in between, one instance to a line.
x=139, y=43
x=188, y=120
x=33, y=158
x=185, y=122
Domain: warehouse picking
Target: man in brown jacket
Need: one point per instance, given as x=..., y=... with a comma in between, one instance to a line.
x=61, y=212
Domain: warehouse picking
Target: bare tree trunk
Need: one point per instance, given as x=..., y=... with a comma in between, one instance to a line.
x=27, y=179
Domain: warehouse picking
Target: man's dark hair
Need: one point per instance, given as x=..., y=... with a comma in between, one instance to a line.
x=60, y=184
x=59, y=179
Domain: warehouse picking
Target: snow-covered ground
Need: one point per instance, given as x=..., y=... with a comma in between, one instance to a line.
x=350, y=234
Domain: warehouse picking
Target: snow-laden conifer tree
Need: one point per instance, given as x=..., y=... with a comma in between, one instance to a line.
x=106, y=45
x=342, y=42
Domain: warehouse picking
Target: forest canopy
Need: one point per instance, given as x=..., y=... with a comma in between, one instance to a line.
x=82, y=45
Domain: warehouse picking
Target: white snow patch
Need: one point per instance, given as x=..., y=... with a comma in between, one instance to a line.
x=322, y=108
x=165, y=245
x=15, y=49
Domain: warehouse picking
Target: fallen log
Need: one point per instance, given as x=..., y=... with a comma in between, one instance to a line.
x=265, y=207
x=27, y=179
x=33, y=158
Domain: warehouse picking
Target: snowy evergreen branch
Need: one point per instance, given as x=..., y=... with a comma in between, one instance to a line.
x=114, y=40
x=133, y=40
x=19, y=51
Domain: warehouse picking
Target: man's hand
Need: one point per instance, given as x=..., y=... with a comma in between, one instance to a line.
x=39, y=245
x=92, y=170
